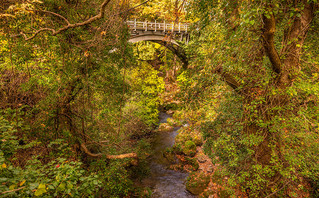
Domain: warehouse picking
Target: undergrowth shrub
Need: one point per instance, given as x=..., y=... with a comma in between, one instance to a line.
x=296, y=163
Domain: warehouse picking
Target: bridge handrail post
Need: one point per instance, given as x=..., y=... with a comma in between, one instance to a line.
x=155, y=25
x=179, y=27
x=164, y=26
x=145, y=26
x=135, y=24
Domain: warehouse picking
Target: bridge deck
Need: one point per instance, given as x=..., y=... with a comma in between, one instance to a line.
x=154, y=26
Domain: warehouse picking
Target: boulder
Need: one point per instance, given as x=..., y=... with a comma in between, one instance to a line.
x=197, y=182
x=189, y=148
x=165, y=127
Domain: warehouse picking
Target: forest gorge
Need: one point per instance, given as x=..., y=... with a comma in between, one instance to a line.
x=80, y=105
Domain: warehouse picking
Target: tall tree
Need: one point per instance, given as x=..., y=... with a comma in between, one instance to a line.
x=57, y=47
x=263, y=51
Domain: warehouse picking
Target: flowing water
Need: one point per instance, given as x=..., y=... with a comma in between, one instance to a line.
x=163, y=182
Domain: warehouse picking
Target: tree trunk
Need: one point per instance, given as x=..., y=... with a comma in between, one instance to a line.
x=286, y=69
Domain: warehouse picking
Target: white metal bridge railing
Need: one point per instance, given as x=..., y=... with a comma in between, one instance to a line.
x=154, y=26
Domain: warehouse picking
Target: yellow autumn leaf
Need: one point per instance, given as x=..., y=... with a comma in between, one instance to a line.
x=4, y=165
x=12, y=187
x=41, y=189
x=21, y=183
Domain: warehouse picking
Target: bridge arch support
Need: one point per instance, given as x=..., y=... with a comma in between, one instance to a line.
x=164, y=41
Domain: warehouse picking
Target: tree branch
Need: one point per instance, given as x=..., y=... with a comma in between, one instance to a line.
x=55, y=32
x=121, y=156
x=228, y=78
x=53, y=13
x=294, y=39
x=269, y=30
x=14, y=190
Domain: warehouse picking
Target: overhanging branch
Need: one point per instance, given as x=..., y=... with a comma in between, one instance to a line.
x=121, y=156
x=55, y=32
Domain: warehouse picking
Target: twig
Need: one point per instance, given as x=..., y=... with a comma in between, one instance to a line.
x=53, y=13
x=277, y=190
x=132, y=8
x=14, y=190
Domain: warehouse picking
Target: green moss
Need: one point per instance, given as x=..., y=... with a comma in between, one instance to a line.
x=198, y=139
x=197, y=182
x=193, y=162
x=189, y=148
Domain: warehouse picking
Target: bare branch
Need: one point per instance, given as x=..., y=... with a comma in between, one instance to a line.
x=55, y=32
x=53, y=13
x=36, y=33
x=14, y=190
x=278, y=190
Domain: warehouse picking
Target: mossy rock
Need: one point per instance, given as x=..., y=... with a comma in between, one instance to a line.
x=145, y=192
x=171, y=122
x=198, y=139
x=182, y=137
x=193, y=162
x=189, y=148
x=197, y=182
x=224, y=193
x=178, y=149
x=170, y=155
x=180, y=140
x=165, y=127
x=207, y=194
x=178, y=115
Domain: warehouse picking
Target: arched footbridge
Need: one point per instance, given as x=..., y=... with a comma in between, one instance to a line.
x=164, y=33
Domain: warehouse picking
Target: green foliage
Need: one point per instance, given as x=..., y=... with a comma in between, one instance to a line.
x=85, y=86
x=167, y=10
x=57, y=178
x=63, y=90
x=146, y=85
x=118, y=182
x=8, y=142
x=260, y=115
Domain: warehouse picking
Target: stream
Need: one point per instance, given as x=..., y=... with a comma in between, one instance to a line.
x=165, y=183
